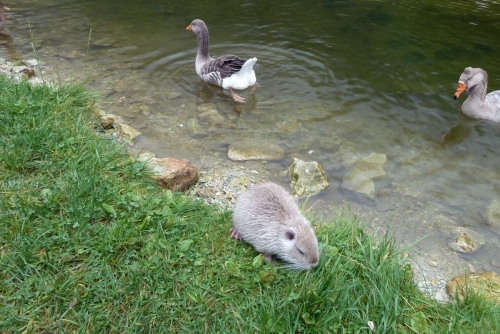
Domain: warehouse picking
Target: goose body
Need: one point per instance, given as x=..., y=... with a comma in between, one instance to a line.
x=2, y=15
x=478, y=104
x=227, y=71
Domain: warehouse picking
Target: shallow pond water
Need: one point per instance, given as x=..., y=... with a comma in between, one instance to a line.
x=337, y=79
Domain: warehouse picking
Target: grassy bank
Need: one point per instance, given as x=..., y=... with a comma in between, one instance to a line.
x=88, y=243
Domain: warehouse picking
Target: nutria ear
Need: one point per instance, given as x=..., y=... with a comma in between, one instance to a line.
x=290, y=235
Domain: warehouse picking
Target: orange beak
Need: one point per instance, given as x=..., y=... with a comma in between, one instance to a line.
x=189, y=27
x=460, y=89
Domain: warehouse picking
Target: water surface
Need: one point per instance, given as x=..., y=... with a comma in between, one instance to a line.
x=337, y=78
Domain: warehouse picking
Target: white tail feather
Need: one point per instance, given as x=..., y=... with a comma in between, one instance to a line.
x=244, y=78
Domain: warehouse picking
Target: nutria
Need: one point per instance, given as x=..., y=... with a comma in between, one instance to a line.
x=268, y=218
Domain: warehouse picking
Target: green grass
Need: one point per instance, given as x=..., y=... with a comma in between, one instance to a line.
x=89, y=243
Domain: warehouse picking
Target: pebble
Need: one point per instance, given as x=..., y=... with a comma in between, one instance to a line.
x=433, y=263
x=223, y=181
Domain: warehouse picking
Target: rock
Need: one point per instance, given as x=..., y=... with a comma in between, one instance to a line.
x=36, y=81
x=360, y=178
x=144, y=109
x=194, y=128
x=486, y=284
x=433, y=263
x=145, y=156
x=29, y=71
x=210, y=114
x=492, y=215
x=289, y=125
x=172, y=95
x=69, y=55
x=347, y=153
x=308, y=178
x=109, y=121
x=120, y=86
x=127, y=133
x=255, y=150
x=102, y=42
x=32, y=62
x=464, y=240
x=173, y=174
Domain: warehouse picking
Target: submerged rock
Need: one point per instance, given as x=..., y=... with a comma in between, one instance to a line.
x=255, y=150
x=360, y=178
x=194, y=128
x=348, y=153
x=210, y=115
x=493, y=215
x=172, y=95
x=127, y=133
x=463, y=240
x=308, y=178
x=120, y=86
x=486, y=284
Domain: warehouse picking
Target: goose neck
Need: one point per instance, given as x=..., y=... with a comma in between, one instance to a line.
x=203, y=39
x=478, y=91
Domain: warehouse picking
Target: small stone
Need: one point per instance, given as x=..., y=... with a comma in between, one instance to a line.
x=466, y=241
x=173, y=95
x=32, y=62
x=128, y=133
x=120, y=86
x=433, y=263
x=37, y=81
x=102, y=42
x=29, y=71
x=289, y=125
x=69, y=55
x=145, y=156
x=441, y=296
x=144, y=109
x=109, y=121
x=211, y=116
x=194, y=128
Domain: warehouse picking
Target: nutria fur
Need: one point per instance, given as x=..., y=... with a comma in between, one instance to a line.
x=268, y=218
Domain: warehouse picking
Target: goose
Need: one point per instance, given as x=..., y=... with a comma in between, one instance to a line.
x=227, y=71
x=478, y=104
x=2, y=15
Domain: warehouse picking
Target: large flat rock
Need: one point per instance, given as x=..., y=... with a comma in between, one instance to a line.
x=254, y=149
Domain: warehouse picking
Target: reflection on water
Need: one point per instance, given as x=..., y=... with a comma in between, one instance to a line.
x=337, y=78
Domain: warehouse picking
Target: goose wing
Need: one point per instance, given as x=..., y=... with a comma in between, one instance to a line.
x=215, y=70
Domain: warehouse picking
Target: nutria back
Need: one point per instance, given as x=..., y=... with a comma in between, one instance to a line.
x=268, y=218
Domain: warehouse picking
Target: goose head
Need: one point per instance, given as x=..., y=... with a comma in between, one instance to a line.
x=469, y=79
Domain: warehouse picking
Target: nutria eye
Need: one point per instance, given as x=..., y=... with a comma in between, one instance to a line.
x=290, y=235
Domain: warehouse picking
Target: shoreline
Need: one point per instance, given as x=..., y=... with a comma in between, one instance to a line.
x=222, y=181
